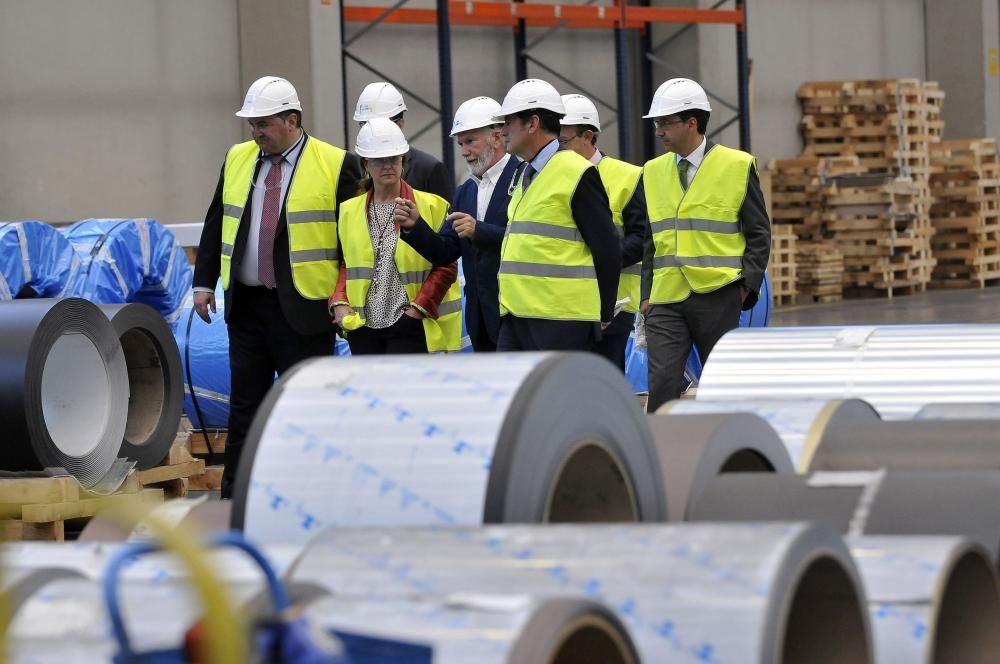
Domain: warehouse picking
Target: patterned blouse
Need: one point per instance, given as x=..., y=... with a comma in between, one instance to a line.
x=387, y=300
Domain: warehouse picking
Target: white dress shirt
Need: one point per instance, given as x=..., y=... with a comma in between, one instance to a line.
x=486, y=185
x=694, y=159
x=248, y=265
x=596, y=158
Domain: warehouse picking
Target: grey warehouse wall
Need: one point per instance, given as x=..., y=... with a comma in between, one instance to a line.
x=115, y=107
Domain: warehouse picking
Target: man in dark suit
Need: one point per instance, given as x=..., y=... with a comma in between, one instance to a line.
x=711, y=237
x=475, y=228
x=271, y=235
x=420, y=170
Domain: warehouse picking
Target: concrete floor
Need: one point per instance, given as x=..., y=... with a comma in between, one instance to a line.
x=937, y=306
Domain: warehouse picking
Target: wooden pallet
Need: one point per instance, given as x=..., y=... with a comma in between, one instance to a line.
x=820, y=272
x=37, y=508
x=174, y=474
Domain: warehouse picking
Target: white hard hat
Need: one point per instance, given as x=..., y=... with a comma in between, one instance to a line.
x=531, y=93
x=381, y=137
x=379, y=100
x=677, y=95
x=580, y=111
x=269, y=95
x=476, y=113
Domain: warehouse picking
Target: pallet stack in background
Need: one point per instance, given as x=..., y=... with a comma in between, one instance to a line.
x=966, y=213
x=876, y=187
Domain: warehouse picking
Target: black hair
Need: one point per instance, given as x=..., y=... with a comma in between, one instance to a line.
x=284, y=115
x=699, y=115
x=549, y=120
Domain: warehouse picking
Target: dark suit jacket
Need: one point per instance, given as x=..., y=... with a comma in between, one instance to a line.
x=480, y=256
x=756, y=228
x=306, y=317
x=424, y=172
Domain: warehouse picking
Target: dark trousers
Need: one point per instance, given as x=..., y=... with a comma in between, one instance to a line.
x=261, y=342
x=671, y=329
x=540, y=334
x=406, y=335
x=615, y=339
x=481, y=341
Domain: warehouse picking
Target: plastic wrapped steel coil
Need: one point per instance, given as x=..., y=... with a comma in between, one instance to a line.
x=931, y=599
x=694, y=449
x=800, y=423
x=896, y=368
x=687, y=593
x=446, y=440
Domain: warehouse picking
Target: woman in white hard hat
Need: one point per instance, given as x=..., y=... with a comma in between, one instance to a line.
x=389, y=299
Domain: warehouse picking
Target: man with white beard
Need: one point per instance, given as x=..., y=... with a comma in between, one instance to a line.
x=475, y=228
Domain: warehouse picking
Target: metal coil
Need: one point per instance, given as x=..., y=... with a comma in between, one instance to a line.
x=687, y=593
x=156, y=390
x=897, y=368
x=446, y=440
x=800, y=423
x=63, y=387
x=931, y=599
x=894, y=502
x=694, y=449
x=485, y=629
x=959, y=411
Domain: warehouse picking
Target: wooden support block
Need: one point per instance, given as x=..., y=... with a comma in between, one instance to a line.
x=174, y=472
x=216, y=442
x=177, y=488
x=178, y=454
x=39, y=489
x=210, y=480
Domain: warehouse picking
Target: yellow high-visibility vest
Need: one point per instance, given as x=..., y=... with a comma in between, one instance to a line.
x=443, y=333
x=620, y=179
x=697, y=234
x=546, y=269
x=310, y=212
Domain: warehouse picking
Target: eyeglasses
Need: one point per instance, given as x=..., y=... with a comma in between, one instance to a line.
x=565, y=140
x=664, y=123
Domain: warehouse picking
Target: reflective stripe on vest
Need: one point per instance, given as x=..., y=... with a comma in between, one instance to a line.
x=697, y=235
x=443, y=333
x=546, y=269
x=310, y=213
x=620, y=179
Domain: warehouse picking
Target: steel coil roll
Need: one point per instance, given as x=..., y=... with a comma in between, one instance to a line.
x=156, y=389
x=963, y=502
x=909, y=444
x=896, y=368
x=63, y=387
x=485, y=629
x=800, y=423
x=694, y=449
x=446, y=440
x=687, y=593
x=959, y=411
x=932, y=599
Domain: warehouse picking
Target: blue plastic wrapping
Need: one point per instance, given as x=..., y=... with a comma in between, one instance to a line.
x=637, y=360
x=35, y=260
x=130, y=260
x=204, y=350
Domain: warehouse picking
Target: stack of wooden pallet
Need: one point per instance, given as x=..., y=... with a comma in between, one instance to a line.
x=796, y=200
x=966, y=213
x=782, y=265
x=873, y=221
x=882, y=225
x=209, y=447
x=820, y=267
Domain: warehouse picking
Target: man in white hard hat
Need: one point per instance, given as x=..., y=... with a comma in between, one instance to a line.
x=711, y=236
x=420, y=170
x=623, y=181
x=272, y=239
x=560, y=259
x=475, y=228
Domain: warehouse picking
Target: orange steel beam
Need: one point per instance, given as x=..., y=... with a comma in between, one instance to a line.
x=536, y=14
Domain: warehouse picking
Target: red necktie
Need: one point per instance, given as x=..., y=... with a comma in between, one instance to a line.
x=269, y=222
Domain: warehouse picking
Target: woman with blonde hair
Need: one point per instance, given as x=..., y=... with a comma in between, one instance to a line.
x=389, y=298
